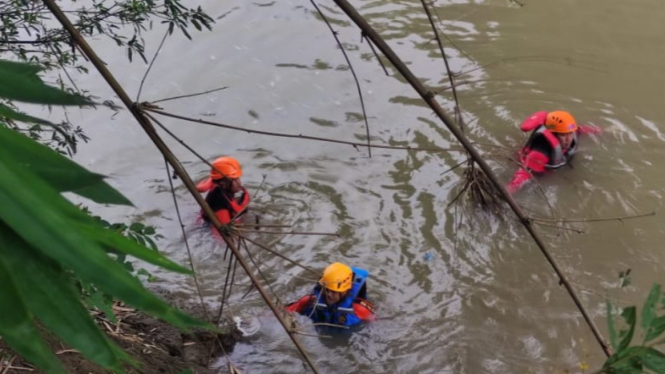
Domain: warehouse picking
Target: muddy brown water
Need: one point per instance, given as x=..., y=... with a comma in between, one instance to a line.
x=457, y=290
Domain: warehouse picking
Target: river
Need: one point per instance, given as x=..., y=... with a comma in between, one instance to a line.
x=457, y=289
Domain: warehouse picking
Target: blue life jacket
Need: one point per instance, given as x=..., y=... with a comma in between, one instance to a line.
x=341, y=313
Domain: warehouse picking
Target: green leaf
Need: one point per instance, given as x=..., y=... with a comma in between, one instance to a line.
x=610, y=326
x=16, y=326
x=101, y=302
x=149, y=230
x=21, y=83
x=60, y=172
x=43, y=219
x=19, y=68
x=136, y=227
x=116, y=242
x=624, y=362
x=10, y=113
x=648, y=310
x=654, y=360
x=54, y=301
x=657, y=328
x=630, y=316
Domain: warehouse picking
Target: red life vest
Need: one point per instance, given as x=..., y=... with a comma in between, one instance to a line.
x=556, y=157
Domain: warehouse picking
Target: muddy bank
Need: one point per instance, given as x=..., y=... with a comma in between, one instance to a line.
x=155, y=345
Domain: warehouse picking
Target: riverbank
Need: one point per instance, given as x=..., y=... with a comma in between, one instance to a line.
x=158, y=347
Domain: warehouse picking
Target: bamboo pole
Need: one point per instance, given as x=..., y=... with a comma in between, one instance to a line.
x=428, y=97
x=163, y=148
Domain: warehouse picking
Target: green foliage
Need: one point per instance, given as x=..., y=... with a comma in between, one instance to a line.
x=29, y=33
x=45, y=239
x=644, y=357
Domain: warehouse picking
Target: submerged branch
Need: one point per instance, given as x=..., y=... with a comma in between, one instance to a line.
x=190, y=95
x=290, y=232
x=293, y=136
x=622, y=218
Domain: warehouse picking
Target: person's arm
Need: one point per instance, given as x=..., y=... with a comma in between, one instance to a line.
x=364, y=310
x=224, y=216
x=534, y=161
x=240, y=207
x=300, y=305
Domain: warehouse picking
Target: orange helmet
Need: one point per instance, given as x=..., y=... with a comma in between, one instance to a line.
x=337, y=277
x=225, y=167
x=561, y=122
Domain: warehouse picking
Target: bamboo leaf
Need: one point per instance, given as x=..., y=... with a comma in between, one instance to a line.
x=10, y=113
x=654, y=360
x=610, y=326
x=19, y=68
x=624, y=362
x=16, y=326
x=98, y=300
x=657, y=328
x=43, y=219
x=648, y=310
x=116, y=242
x=58, y=171
x=629, y=315
x=20, y=82
x=55, y=303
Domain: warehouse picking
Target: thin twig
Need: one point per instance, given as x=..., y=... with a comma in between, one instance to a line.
x=371, y=46
x=621, y=219
x=189, y=95
x=189, y=252
x=258, y=268
x=280, y=255
x=291, y=232
x=9, y=365
x=428, y=97
x=455, y=167
x=355, y=77
x=180, y=171
x=299, y=136
x=237, y=224
x=560, y=227
x=449, y=73
x=329, y=325
x=138, y=95
x=312, y=335
x=179, y=140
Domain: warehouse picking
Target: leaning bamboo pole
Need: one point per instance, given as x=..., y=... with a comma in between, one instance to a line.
x=428, y=97
x=172, y=160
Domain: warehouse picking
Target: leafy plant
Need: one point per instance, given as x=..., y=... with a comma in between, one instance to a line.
x=644, y=357
x=28, y=34
x=44, y=238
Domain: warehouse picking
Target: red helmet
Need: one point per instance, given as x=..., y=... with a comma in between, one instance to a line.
x=225, y=167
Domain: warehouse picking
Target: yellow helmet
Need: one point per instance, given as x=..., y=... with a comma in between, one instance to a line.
x=561, y=122
x=337, y=277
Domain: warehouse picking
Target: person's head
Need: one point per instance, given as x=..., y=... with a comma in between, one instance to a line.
x=226, y=173
x=563, y=125
x=336, y=281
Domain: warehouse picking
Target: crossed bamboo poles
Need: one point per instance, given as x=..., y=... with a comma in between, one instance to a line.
x=139, y=112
